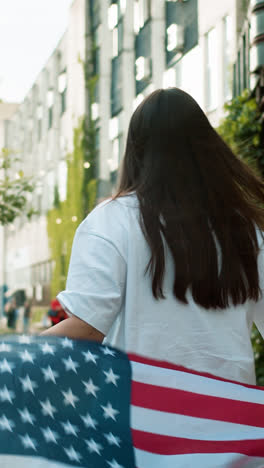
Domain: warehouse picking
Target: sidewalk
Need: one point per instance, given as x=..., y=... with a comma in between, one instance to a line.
x=35, y=327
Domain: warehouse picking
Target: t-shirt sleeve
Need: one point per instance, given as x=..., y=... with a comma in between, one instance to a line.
x=259, y=306
x=96, y=280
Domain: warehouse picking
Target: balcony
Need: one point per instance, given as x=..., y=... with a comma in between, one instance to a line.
x=143, y=68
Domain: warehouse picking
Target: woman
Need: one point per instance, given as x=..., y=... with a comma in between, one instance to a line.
x=173, y=266
x=26, y=316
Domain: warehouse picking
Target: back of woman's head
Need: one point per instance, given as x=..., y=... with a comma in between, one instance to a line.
x=198, y=195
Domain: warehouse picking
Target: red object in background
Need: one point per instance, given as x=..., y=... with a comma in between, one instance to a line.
x=55, y=305
x=60, y=312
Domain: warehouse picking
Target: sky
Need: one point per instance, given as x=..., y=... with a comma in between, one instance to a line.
x=29, y=32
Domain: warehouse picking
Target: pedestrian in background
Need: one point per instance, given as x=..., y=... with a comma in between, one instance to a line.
x=26, y=316
x=172, y=267
x=56, y=312
x=12, y=313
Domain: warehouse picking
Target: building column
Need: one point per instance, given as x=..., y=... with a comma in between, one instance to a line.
x=158, y=34
x=105, y=148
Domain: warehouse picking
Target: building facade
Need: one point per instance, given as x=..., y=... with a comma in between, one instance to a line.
x=7, y=110
x=134, y=47
x=41, y=134
x=249, y=64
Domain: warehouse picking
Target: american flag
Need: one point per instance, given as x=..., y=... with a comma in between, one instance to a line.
x=67, y=403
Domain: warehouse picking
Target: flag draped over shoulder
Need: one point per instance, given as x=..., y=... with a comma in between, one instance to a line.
x=67, y=403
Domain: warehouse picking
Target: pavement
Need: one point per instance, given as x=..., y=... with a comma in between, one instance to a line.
x=35, y=328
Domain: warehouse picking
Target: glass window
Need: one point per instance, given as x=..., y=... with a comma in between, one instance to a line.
x=50, y=117
x=141, y=13
x=211, y=70
x=39, y=120
x=63, y=90
x=122, y=7
x=116, y=85
x=112, y=16
x=50, y=102
x=227, y=58
x=95, y=13
x=115, y=42
x=117, y=38
x=239, y=72
x=245, y=63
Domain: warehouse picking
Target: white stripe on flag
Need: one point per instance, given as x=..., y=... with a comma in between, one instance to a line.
x=198, y=460
x=194, y=383
x=17, y=461
x=178, y=425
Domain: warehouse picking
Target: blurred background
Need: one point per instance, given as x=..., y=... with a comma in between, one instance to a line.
x=71, y=74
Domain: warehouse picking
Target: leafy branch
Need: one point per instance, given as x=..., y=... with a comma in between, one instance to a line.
x=14, y=190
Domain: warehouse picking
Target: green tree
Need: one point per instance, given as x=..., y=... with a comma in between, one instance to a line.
x=242, y=130
x=65, y=215
x=14, y=190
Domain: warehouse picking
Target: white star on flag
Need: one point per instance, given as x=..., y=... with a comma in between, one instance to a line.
x=24, y=339
x=5, y=348
x=66, y=343
x=111, y=377
x=26, y=416
x=107, y=351
x=89, y=421
x=27, y=357
x=28, y=384
x=6, y=366
x=114, y=464
x=28, y=442
x=109, y=411
x=6, y=395
x=70, y=428
x=6, y=424
x=69, y=398
x=49, y=435
x=47, y=349
x=49, y=374
x=94, y=446
x=90, y=357
x=90, y=388
x=70, y=364
x=112, y=439
x=47, y=408
x=72, y=454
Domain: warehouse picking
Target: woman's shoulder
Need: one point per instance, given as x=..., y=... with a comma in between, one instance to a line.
x=110, y=217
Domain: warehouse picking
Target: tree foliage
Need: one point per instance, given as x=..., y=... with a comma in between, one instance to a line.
x=14, y=190
x=65, y=216
x=242, y=129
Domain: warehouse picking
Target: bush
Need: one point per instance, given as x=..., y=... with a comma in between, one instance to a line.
x=242, y=131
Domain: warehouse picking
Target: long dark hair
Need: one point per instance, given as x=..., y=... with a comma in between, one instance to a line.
x=198, y=196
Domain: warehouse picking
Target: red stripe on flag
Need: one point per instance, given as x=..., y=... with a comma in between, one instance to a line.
x=200, y=406
x=166, y=445
x=168, y=365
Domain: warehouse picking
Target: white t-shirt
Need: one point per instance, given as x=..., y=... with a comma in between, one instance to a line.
x=107, y=288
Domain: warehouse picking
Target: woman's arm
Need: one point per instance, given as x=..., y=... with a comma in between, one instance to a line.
x=76, y=329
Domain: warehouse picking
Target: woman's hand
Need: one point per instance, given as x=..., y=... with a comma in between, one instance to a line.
x=76, y=329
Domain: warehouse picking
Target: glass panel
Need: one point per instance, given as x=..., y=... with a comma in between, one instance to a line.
x=227, y=58
x=212, y=70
